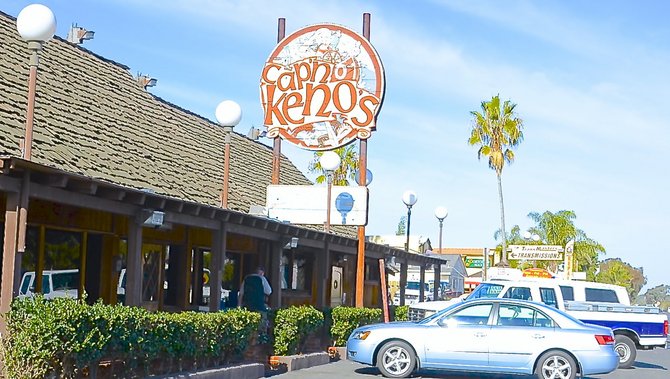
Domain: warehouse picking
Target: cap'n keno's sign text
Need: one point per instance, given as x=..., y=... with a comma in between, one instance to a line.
x=322, y=87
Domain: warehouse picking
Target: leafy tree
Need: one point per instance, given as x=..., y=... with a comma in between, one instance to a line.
x=496, y=131
x=402, y=226
x=345, y=173
x=658, y=296
x=558, y=229
x=615, y=271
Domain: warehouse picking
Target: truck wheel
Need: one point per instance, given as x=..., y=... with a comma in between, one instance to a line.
x=396, y=359
x=556, y=364
x=625, y=347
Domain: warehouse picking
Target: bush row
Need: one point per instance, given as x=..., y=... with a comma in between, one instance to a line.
x=65, y=337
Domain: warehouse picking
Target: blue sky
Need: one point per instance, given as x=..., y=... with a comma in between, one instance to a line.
x=590, y=79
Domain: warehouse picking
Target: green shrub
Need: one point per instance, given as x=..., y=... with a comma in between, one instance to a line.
x=401, y=313
x=292, y=326
x=61, y=337
x=346, y=319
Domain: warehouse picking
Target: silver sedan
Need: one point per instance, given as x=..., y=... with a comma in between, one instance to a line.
x=488, y=335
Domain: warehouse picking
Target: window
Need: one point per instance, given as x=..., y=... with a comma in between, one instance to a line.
x=548, y=296
x=602, y=295
x=296, y=271
x=521, y=293
x=64, y=281
x=517, y=315
x=568, y=293
x=486, y=290
x=25, y=284
x=474, y=315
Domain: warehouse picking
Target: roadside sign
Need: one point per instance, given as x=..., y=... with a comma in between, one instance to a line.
x=536, y=252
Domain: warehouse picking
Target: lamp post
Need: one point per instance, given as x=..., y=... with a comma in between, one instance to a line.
x=36, y=24
x=441, y=213
x=329, y=161
x=409, y=198
x=228, y=114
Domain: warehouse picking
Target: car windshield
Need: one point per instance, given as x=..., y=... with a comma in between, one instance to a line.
x=438, y=314
x=416, y=286
x=486, y=290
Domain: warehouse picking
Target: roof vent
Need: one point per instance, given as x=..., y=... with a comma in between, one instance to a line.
x=78, y=35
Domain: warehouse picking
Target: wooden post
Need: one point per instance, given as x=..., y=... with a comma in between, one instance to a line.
x=422, y=280
x=403, y=282
x=436, y=282
x=134, y=263
x=275, y=278
x=276, y=146
x=216, y=275
x=9, y=253
x=384, y=289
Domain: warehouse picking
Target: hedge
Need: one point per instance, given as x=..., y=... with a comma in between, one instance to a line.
x=64, y=337
x=292, y=326
x=346, y=319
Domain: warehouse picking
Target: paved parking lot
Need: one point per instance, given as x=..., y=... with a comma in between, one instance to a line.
x=653, y=364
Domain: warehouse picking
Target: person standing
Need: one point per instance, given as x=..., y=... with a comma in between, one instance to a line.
x=255, y=288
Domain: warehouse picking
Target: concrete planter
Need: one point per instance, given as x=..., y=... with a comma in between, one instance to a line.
x=300, y=361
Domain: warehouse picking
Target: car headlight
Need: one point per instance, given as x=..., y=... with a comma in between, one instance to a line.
x=360, y=335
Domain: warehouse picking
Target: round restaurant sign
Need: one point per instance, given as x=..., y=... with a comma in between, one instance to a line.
x=322, y=87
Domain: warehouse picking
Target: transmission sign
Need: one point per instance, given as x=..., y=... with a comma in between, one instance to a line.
x=536, y=252
x=322, y=87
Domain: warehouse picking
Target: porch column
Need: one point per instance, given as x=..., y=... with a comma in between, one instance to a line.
x=322, y=275
x=8, y=256
x=218, y=257
x=436, y=282
x=275, y=276
x=403, y=282
x=422, y=280
x=134, y=264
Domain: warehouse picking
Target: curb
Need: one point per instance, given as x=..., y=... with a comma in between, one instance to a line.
x=297, y=362
x=245, y=371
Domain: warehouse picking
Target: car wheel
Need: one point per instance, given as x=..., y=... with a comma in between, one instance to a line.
x=625, y=347
x=556, y=364
x=396, y=359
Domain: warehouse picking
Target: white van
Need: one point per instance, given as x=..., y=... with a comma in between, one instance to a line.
x=55, y=283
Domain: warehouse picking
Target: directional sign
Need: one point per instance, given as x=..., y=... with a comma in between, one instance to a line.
x=536, y=252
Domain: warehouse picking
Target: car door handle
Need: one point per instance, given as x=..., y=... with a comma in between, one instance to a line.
x=538, y=336
x=480, y=334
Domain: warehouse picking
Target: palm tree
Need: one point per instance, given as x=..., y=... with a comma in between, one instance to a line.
x=344, y=173
x=496, y=131
x=559, y=228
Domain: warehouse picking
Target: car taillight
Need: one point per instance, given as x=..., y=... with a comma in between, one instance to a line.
x=604, y=339
x=665, y=327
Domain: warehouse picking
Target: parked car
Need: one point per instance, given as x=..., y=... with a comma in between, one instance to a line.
x=635, y=327
x=488, y=335
x=55, y=283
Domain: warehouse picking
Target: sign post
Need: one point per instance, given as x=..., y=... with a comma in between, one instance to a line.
x=321, y=88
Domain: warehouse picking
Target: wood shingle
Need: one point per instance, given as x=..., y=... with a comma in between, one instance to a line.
x=93, y=118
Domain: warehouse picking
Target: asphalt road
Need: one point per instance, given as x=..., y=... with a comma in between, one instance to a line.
x=652, y=364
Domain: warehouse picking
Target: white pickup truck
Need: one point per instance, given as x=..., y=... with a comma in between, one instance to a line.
x=634, y=327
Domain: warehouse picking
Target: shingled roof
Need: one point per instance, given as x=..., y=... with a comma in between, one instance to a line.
x=93, y=118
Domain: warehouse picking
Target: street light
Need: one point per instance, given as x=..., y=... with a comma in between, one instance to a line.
x=228, y=114
x=441, y=213
x=409, y=198
x=329, y=161
x=528, y=235
x=36, y=24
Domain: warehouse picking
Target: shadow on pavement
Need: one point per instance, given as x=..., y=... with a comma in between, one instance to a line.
x=648, y=365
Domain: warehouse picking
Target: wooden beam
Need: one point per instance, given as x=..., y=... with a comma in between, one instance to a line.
x=189, y=220
x=112, y=193
x=86, y=187
x=137, y=198
x=9, y=184
x=57, y=180
x=62, y=196
x=174, y=206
